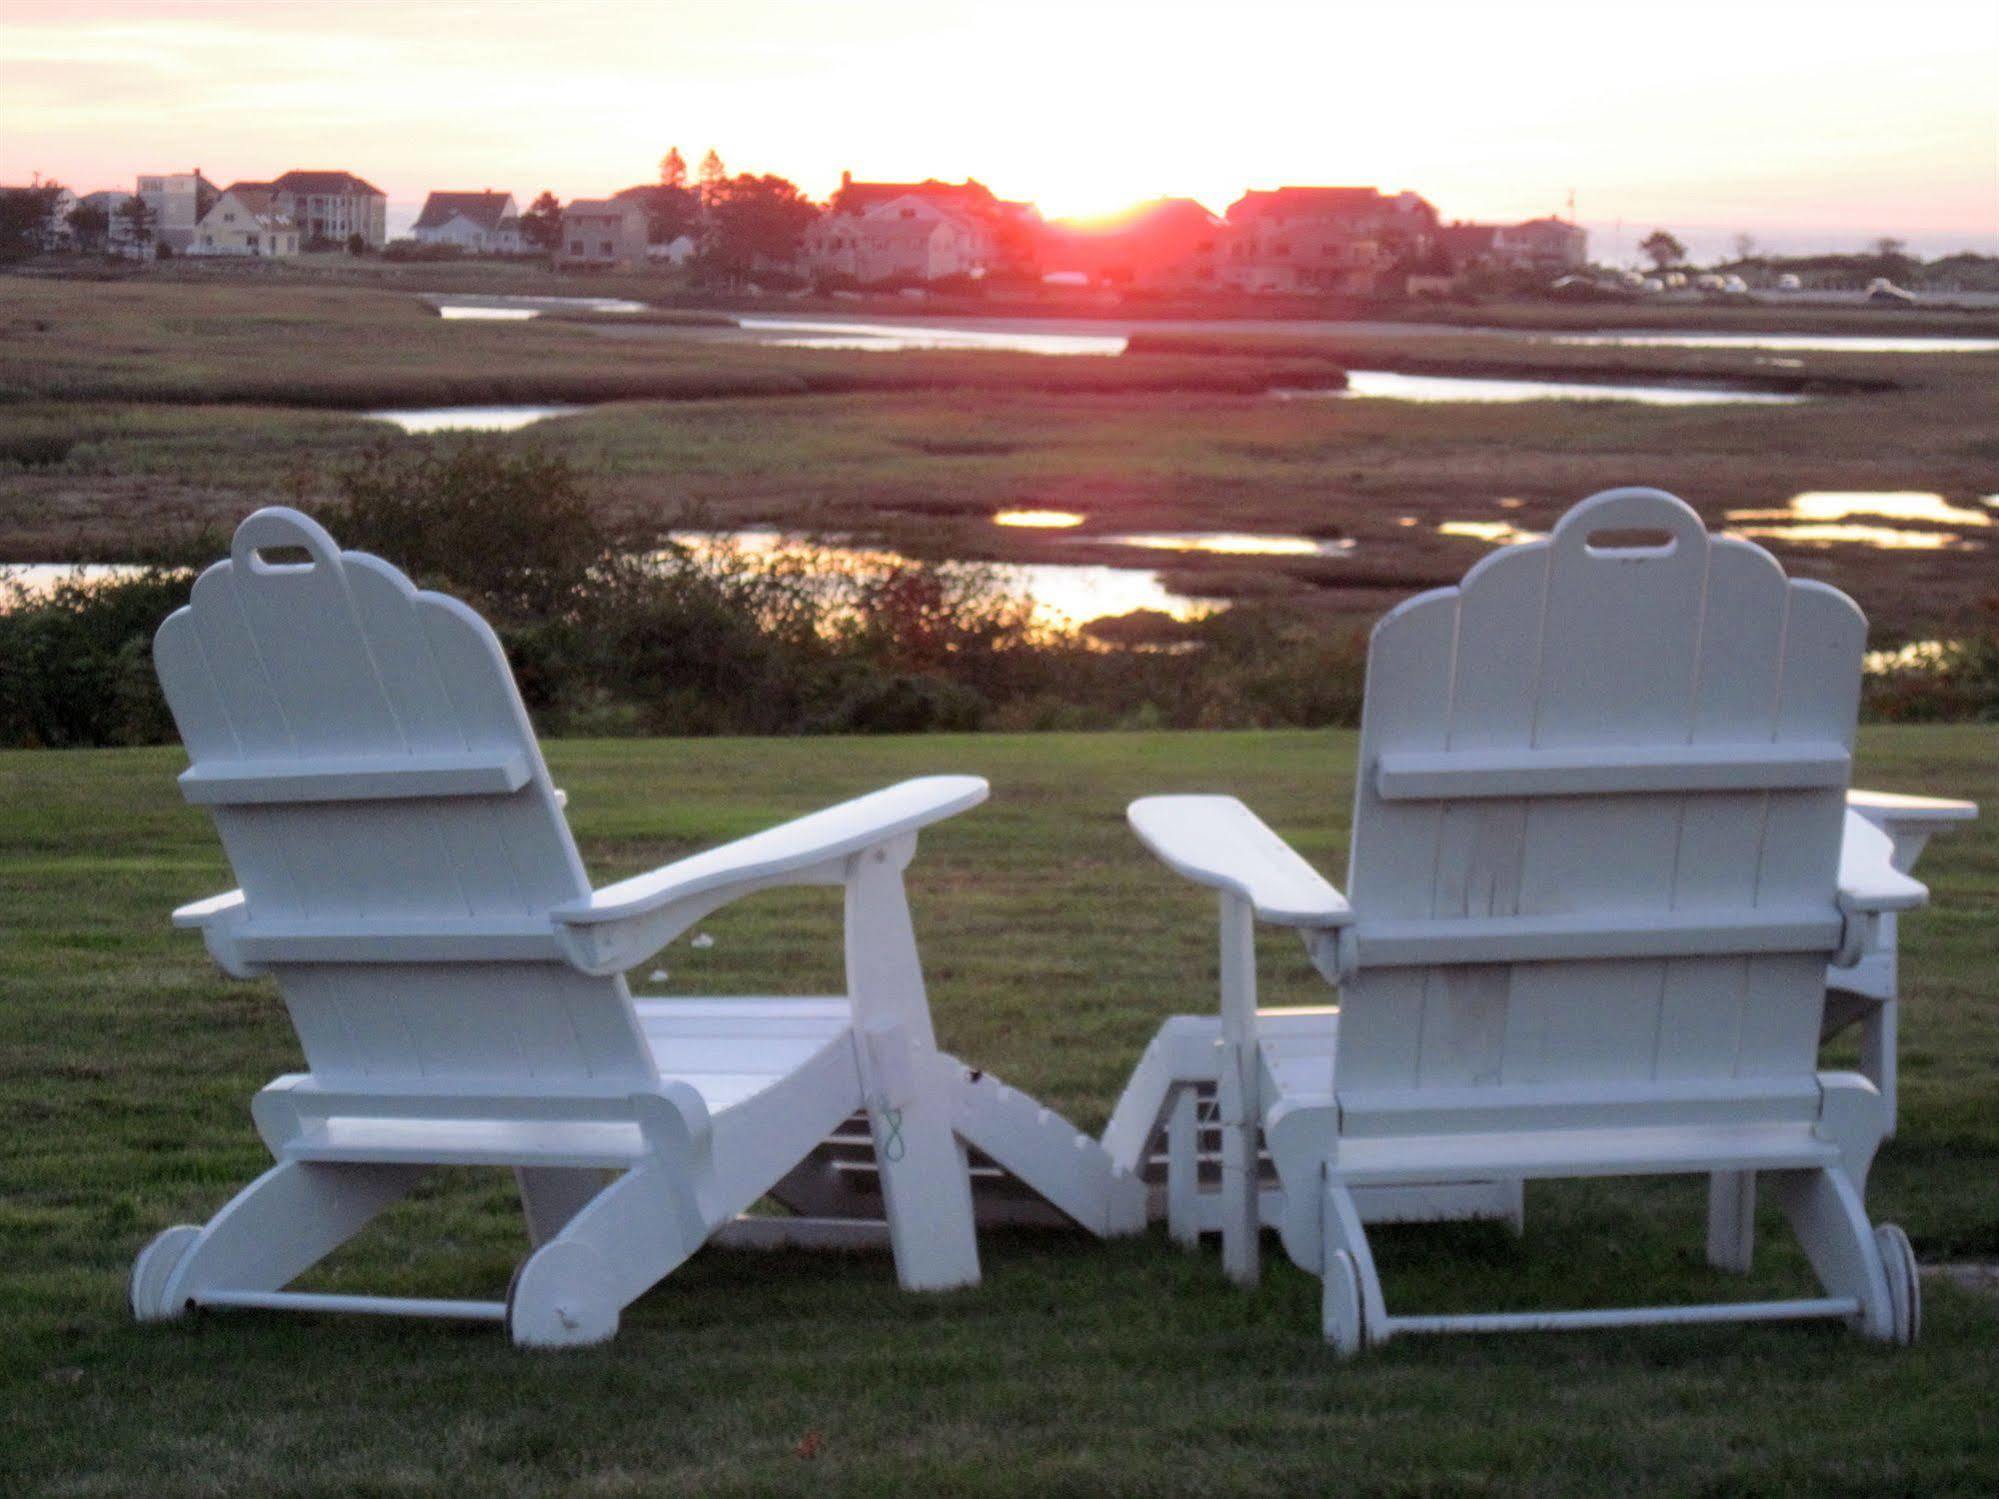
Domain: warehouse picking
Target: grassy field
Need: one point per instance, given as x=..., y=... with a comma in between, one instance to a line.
x=1053, y=949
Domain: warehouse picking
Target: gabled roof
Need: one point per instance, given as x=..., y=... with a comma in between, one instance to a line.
x=486, y=209
x=260, y=200
x=970, y=195
x=1309, y=202
x=326, y=185
x=611, y=208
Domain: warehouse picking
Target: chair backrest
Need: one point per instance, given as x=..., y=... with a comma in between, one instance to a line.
x=1597, y=822
x=379, y=791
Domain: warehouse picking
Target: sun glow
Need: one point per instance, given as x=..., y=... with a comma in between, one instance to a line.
x=1831, y=123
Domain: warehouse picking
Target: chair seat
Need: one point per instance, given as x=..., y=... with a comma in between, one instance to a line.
x=729, y=1050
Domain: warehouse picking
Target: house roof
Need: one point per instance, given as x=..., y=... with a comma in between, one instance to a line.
x=486, y=209
x=326, y=185
x=608, y=207
x=258, y=200
x=970, y=195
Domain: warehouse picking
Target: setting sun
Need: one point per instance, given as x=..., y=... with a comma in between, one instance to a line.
x=1818, y=124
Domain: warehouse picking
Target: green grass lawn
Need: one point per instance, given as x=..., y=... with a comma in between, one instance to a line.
x=1053, y=947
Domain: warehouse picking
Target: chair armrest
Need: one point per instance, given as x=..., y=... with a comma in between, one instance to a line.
x=1869, y=882
x=624, y=923
x=1889, y=807
x=228, y=906
x=1911, y=821
x=1218, y=842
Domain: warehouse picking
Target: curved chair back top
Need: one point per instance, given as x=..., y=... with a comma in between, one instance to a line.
x=382, y=799
x=1598, y=815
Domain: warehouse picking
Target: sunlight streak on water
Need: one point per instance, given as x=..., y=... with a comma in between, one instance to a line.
x=1391, y=386
x=1829, y=343
x=806, y=333
x=1232, y=543
x=1055, y=520
x=1825, y=517
x=1065, y=595
x=469, y=418
x=1498, y=532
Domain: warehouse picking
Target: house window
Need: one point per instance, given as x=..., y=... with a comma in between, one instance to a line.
x=605, y=247
x=576, y=247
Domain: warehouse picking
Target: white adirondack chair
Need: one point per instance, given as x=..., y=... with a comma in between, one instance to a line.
x=1167, y=1129
x=1601, y=858
x=409, y=880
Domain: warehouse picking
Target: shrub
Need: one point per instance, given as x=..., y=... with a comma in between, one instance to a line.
x=76, y=662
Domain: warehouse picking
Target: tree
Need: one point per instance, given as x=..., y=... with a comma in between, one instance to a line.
x=670, y=211
x=713, y=176
x=541, y=225
x=138, y=220
x=1745, y=246
x=753, y=218
x=91, y=225
x=673, y=168
x=1662, y=249
x=25, y=214
x=1890, y=249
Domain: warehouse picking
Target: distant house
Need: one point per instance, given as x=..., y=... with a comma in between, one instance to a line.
x=1550, y=244
x=246, y=220
x=602, y=232
x=909, y=238
x=880, y=232
x=330, y=208
x=175, y=203
x=1324, y=239
x=486, y=222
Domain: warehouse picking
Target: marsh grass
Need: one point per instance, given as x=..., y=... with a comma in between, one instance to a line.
x=1053, y=948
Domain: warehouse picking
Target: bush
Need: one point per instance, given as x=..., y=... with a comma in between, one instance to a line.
x=616, y=631
x=76, y=663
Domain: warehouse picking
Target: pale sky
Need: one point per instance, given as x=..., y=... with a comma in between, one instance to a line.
x=1809, y=125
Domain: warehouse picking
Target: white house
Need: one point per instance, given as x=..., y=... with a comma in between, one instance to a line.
x=175, y=203
x=480, y=223
x=246, y=220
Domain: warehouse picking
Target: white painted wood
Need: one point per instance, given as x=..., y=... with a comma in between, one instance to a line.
x=355, y=778
x=409, y=881
x=1238, y=1093
x=1599, y=864
x=1865, y=991
x=1609, y=770
x=1218, y=842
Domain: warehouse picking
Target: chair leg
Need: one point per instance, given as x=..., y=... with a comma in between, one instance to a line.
x=1877, y=1055
x=280, y=1226
x=1731, y=1220
x=1237, y=1093
x=925, y=1178
x=1242, y=1223
x=1826, y=1212
x=552, y=1195
x=1353, y=1314
x=627, y=1238
x=1183, y=1168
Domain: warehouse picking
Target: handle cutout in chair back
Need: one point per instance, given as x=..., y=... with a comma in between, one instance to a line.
x=278, y=540
x=1632, y=526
